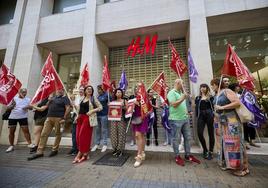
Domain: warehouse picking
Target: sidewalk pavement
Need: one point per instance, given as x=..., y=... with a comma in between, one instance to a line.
x=159, y=170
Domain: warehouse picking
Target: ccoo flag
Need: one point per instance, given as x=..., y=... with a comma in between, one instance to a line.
x=9, y=85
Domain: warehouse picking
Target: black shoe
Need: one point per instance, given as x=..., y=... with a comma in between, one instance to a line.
x=210, y=156
x=148, y=143
x=115, y=152
x=35, y=156
x=119, y=154
x=33, y=150
x=205, y=154
x=156, y=142
x=53, y=153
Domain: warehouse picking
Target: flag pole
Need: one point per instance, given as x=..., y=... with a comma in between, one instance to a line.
x=219, y=90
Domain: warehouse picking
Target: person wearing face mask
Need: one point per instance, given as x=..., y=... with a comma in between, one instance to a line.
x=19, y=114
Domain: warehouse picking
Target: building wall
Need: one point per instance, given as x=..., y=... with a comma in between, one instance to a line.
x=35, y=31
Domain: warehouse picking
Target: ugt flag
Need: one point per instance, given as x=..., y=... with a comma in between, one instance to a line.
x=160, y=86
x=142, y=96
x=176, y=62
x=9, y=85
x=106, y=78
x=84, y=76
x=192, y=70
x=123, y=83
x=250, y=101
x=233, y=66
x=50, y=83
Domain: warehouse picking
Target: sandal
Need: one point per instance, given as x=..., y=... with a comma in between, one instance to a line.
x=241, y=173
x=83, y=158
x=76, y=160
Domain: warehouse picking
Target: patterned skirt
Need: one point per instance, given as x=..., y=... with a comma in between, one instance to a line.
x=229, y=142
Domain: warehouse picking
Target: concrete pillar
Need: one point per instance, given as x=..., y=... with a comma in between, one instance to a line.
x=93, y=49
x=10, y=57
x=29, y=58
x=199, y=43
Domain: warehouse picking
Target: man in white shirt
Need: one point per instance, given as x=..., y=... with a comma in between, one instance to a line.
x=19, y=114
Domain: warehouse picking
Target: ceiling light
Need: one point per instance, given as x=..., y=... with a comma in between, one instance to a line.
x=248, y=39
x=265, y=37
x=256, y=63
x=225, y=41
x=246, y=45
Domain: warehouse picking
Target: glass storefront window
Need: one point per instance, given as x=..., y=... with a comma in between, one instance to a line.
x=252, y=48
x=68, y=5
x=69, y=70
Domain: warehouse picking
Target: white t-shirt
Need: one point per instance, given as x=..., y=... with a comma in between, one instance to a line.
x=18, y=112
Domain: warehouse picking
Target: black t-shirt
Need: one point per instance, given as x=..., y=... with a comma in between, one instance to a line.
x=38, y=114
x=57, y=105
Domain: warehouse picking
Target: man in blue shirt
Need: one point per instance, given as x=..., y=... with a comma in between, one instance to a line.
x=101, y=131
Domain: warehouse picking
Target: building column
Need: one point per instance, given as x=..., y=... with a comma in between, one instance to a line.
x=93, y=49
x=10, y=56
x=199, y=43
x=28, y=56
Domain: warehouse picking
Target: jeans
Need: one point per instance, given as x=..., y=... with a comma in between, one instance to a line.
x=101, y=131
x=74, y=144
x=168, y=137
x=179, y=127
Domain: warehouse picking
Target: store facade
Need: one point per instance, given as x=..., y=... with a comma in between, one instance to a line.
x=79, y=32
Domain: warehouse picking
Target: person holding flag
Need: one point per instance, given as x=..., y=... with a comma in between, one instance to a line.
x=140, y=121
x=19, y=114
x=179, y=122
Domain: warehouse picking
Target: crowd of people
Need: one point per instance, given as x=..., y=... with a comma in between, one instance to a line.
x=217, y=112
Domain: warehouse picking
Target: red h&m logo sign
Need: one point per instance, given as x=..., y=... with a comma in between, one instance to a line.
x=134, y=48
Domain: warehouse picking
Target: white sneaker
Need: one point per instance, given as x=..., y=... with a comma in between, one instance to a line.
x=31, y=146
x=104, y=148
x=9, y=149
x=95, y=148
x=165, y=144
x=138, y=161
x=132, y=143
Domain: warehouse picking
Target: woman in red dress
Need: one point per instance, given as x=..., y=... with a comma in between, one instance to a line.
x=88, y=106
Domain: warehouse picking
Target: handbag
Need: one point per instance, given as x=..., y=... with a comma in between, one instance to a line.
x=6, y=115
x=136, y=120
x=244, y=114
x=93, y=122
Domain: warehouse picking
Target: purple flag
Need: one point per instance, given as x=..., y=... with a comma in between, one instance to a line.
x=164, y=115
x=250, y=101
x=123, y=83
x=192, y=70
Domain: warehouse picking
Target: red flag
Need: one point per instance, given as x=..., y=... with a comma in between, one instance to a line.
x=9, y=85
x=106, y=83
x=146, y=106
x=85, y=76
x=160, y=86
x=50, y=83
x=176, y=62
x=233, y=66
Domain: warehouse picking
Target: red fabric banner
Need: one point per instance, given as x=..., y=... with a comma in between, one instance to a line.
x=160, y=86
x=176, y=62
x=146, y=106
x=50, y=83
x=85, y=76
x=233, y=66
x=9, y=85
x=106, y=78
